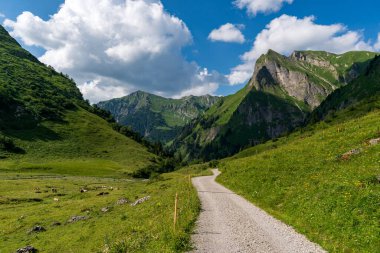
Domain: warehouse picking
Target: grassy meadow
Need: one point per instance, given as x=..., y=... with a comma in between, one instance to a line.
x=79, y=145
x=27, y=200
x=303, y=180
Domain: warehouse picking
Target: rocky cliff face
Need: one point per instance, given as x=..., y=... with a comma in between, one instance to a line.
x=295, y=83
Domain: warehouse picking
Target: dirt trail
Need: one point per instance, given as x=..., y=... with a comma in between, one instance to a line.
x=229, y=223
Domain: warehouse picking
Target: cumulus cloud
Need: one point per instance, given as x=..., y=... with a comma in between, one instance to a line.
x=114, y=47
x=377, y=45
x=228, y=33
x=266, y=6
x=287, y=33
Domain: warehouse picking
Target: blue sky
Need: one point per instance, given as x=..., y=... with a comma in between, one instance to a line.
x=201, y=17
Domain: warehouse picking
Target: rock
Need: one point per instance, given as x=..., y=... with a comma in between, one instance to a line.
x=102, y=194
x=105, y=209
x=140, y=201
x=37, y=229
x=350, y=153
x=374, y=142
x=56, y=223
x=56, y=199
x=77, y=218
x=27, y=249
x=122, y=201
x=83, y=190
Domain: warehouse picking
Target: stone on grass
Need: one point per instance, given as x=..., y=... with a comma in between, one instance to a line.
x=56, y=223
x=103, y=193
x=350, y=153
x=105, y=209
x=77, y=218
x=122, y=201
x=374, y=142
x=37, y=229
x=27, y=249
x=140, y=201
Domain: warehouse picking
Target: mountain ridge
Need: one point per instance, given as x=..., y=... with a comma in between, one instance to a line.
x=45, y=124
x=277, y=99
x=155, y=117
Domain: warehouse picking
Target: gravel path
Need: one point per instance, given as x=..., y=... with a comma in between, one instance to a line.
x=229, y=223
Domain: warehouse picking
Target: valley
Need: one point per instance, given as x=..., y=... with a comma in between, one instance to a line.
x=301, y=141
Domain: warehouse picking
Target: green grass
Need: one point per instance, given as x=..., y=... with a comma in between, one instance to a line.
x=224, y=110
x=147, y=227
x=301, y=180
x=84, y=145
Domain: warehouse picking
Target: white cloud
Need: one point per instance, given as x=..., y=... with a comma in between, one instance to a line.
x=287, y=33
x=266, y=6
x=94, y=91
x=210, y=84
x=114, y=47
x=228, y=33
x=2, y=15
x=377, y=45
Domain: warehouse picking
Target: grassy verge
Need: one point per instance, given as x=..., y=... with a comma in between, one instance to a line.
x=303, y=180
x=27, y=200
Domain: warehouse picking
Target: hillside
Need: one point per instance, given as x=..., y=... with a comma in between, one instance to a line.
x=278, y=98
x=154, y=117
x=65, y=172
x=46, y=125
x=323, y=179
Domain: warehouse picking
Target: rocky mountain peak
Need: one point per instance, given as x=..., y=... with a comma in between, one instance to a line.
x=307, y=76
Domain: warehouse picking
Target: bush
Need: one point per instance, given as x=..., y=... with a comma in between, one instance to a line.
x=7, y=144
x=152, y=171
x=213, y=164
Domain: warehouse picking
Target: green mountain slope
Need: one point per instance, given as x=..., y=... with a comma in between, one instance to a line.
x=155, y=117
x=45, y=125
x=279, y=96
x=323, y=179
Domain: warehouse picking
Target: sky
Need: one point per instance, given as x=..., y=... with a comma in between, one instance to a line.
x=177, y=48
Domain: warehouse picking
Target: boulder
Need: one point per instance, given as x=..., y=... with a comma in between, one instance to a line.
x=27, y=249
x=37, y=229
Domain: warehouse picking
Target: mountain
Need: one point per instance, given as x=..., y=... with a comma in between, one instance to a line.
x=357, y=98
x=157, y=118
x=279, y=96
x=324, y=179
x=46, y=125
